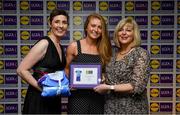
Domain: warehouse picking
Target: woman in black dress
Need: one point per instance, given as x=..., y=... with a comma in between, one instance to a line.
x=46, y=55
x=94, y=48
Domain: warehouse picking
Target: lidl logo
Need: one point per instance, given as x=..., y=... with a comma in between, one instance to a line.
x=103, y=6
x=77, y=5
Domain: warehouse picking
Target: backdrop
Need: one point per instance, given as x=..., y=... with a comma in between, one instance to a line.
x=23, y=22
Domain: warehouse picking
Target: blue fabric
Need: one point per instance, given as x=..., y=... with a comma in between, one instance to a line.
x=54, y=84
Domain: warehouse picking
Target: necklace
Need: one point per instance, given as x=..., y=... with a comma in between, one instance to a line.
x=125, y=52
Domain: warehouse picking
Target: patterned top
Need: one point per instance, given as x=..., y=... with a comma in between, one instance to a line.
x=134, y=69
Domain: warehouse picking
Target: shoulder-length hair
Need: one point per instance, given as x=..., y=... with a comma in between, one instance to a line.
x=120, y=25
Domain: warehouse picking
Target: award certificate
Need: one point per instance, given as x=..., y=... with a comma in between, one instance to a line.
x=85, y=76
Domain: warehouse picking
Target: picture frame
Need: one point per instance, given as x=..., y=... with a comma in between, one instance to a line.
x=85, y=75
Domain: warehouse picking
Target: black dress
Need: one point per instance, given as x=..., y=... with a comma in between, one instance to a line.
x=34, y=103
x=85, y=101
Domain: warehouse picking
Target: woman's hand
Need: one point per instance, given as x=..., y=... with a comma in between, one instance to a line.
x=102, y=88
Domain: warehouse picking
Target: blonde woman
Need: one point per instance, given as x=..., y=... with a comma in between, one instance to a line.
x=127, y=73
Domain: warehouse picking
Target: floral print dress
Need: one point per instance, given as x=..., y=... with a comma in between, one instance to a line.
x=133, y=69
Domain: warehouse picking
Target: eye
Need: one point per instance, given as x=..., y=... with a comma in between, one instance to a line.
x=64, y=22
x=129, y=30
x=121, y=29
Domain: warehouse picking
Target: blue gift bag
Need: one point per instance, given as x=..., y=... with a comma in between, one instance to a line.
x=54, y=84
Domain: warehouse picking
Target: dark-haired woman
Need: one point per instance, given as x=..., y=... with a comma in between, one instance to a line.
x=46, y=55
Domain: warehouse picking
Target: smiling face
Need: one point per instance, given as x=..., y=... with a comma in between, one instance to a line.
x=59, y=25
x=126, y=34
x=94, y=28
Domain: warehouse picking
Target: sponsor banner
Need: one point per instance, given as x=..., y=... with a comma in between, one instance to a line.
x=36, y=35
x=114, y=7
x=8, y=66
x=165, y=51
x=33, y=36
x=163, y=65
x=158, y=21
x=10, y=20
x=8, y=51
x=10, y=80
x=162, y=7
x=11, y=108
x=142, y=21
x=36, y=20
x=10, y=35
x=138, y=7
x=31, y=7
x=161, y=94
x=11, y=95
x=162, y=36
x=161, y=108
x=9, y=5
x=64, y=5
x=89, y=6
x=31, y=22
x=113, y=20
x=164, y=80
x=36, y=5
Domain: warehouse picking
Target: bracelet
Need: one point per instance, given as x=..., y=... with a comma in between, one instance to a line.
x=111, y=87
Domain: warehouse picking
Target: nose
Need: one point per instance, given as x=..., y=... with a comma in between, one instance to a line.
x=123, y=31
x=60, y=24
x=96, y=29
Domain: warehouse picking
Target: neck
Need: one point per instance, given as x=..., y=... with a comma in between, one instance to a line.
x=54, y=39
x=90, y=41
x=125, y=50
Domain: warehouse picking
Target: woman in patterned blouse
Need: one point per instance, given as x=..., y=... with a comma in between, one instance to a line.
x=127, y=73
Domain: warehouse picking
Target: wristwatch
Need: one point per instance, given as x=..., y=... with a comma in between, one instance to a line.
x=111, y=87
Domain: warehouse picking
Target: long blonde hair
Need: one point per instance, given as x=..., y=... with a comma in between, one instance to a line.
x=103, y=43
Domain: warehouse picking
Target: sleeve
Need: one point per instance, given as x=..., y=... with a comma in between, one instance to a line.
x=141, y=72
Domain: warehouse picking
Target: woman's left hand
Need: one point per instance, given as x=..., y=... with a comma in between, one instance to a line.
x=102, y=88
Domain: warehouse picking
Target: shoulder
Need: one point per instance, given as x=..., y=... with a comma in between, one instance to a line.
x=142, y=52
x=72, y=44
x=140, y=49
x=41, y=44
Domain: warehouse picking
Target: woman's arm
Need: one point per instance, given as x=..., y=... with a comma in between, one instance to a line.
x=71, y=52
x=35, y=54
x=139, y=79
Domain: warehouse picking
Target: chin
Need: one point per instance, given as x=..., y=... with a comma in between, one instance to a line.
x=60, y=35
